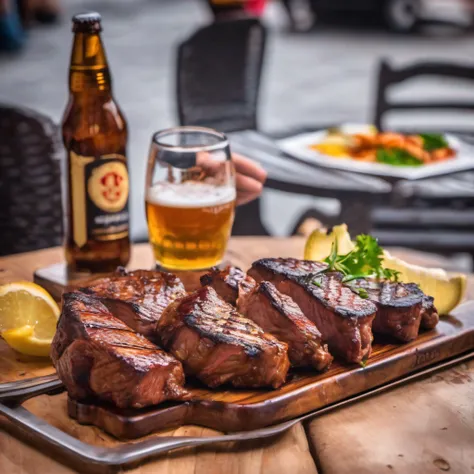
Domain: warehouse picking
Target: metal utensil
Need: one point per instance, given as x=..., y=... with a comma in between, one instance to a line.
x=131, y=452
x=24, y=383
x=22, y=390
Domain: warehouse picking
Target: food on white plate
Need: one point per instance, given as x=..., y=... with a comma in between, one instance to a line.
x=395, y=149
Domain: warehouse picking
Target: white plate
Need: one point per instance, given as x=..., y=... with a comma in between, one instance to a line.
x=298, y=146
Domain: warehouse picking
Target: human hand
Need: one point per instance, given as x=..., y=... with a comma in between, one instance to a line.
x=250, y=177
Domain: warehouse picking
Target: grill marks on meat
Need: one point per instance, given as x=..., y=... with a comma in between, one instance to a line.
x=344, y=319
x=225, y=282
x=399, y=307
x=96, y=354
x=99, y=355
x=279, y=315
x=218, y=345
x=429, y=314
x=291, y=268
x=138, y=298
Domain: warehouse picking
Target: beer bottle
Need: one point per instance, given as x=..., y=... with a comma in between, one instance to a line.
x=95, y=136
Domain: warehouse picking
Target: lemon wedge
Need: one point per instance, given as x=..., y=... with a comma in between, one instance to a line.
x=333, y=145
x=331, y=149
x=319, y=243
x=28, y=317
x=448, y=290
x=23, y=340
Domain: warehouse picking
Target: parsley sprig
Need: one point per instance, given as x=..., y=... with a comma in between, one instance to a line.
x=433, y=141
x=315, y=278
x=364, y=261
x=362, y=292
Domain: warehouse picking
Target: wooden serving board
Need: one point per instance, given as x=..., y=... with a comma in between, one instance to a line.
x=240, y=410
x=228, y=409
x=435, y=409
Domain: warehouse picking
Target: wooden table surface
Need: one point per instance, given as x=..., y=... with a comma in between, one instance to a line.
x=423, y=427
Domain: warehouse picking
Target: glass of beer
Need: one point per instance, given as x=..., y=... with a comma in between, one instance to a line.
x=190, y=197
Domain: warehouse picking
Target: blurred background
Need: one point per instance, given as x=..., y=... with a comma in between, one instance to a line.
x=320, y=67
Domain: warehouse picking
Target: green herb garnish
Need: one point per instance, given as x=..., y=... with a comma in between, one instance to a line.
x=433, y=141
x=314, y=278
x=317, y=283
x=397, y=157
x=364, y=261
x=362, y=292
x=363, y=363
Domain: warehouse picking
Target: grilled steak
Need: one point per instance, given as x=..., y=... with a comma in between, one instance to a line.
x=218, y=345
x=96, y=354
x=225, y=282
x=399, y=307
x=138, y=298
x=280, y=316
x=344, y=319
x=429, y=314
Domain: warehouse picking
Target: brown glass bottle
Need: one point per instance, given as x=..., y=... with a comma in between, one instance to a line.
x=95, y=136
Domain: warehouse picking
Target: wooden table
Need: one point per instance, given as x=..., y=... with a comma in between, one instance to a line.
x=423, y=427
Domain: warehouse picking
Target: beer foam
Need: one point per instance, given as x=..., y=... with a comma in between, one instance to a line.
x=190, y=194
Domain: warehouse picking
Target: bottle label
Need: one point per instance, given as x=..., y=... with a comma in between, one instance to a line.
x=99, y=194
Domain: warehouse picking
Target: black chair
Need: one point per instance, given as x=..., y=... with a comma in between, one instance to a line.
x=389, y=76
x=30, y=182
x=433, y=214
x=218, y=75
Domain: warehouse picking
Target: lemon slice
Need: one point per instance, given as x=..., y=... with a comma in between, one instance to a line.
x=332, y=149
x=23, y=340
x=319, y=243
x=447, y=290
x=28, y=317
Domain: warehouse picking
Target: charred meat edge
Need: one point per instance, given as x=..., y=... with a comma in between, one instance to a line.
x=91, y=348
x=218, y=345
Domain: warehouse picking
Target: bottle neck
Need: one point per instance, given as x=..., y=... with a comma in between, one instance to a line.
x=89, y=70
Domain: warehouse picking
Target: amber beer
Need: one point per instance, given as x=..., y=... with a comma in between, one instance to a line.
x=95, y=136
x=189, y=223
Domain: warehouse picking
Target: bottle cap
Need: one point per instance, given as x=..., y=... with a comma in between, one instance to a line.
x=85, y=22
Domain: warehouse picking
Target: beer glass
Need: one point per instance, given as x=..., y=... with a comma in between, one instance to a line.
x=190, y=197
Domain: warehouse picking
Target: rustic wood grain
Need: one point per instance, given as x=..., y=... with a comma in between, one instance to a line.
x=362, y=438
x=426, y=427
x=228, y=409
x=286, y=453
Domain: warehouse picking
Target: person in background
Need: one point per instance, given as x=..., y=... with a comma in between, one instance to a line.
x=255, y=7
x=250, y=177
x=298, y=11
x=16, y=16
x=300, y=15
x=12, y=35
x=225, y=9
x=41, y=11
